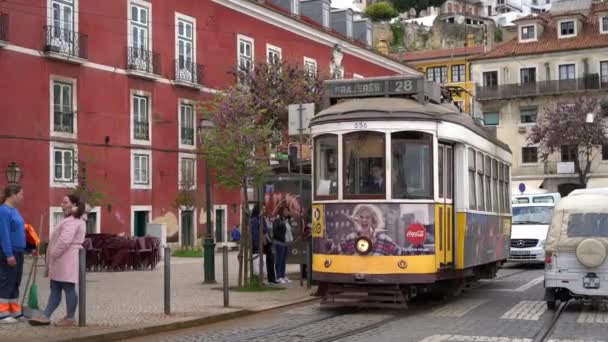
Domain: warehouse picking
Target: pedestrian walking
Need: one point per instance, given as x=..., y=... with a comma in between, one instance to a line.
x=12, y=247
x=282, y=233
x=62, y=261
x=235, y=234
x=256, y=220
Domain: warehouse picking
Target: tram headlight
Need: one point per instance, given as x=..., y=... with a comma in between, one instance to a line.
x=363, y=245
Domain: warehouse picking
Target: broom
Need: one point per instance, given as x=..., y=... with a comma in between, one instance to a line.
x=32, y=298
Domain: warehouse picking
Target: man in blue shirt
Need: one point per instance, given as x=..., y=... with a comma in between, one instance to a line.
x=12, y=246
x=236, y=233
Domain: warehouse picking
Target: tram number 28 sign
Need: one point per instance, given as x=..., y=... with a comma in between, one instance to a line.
x=373, y=87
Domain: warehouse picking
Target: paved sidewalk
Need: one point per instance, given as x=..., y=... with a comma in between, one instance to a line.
x=121, y=301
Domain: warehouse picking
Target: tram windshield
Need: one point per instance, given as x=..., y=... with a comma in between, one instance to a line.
x=412, y=160
x=364, y=165
x=326, y=164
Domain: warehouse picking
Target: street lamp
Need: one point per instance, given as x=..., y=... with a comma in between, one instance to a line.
x=205, y=126
x=13, y=173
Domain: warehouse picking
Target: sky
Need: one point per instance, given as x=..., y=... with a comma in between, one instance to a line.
x=341, y=3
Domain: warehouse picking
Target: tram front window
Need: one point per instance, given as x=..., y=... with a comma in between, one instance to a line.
x=364, y=174
x=326, y=164
x=412, y=165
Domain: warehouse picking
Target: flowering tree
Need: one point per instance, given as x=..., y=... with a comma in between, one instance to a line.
x=86, y=190
x=566, y=126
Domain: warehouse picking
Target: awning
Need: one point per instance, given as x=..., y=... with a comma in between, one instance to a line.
x=532, y=187
x=597, y=182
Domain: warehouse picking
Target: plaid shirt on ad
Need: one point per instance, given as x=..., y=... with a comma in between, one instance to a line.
x=381, y=245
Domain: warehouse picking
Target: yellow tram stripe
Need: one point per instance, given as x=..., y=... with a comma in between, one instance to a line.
x=349, y=264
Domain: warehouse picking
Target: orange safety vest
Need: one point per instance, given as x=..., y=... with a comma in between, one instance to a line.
x=31, y=237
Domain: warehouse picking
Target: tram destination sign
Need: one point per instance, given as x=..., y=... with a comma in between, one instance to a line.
x=375, y=87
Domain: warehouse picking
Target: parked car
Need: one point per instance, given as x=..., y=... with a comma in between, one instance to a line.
x=528, y=232
x=576, y=247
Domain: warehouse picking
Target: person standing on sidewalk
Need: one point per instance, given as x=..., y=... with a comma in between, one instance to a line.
x=62, y=261
x=256, y=220
x=12, y=246
x=283, y=235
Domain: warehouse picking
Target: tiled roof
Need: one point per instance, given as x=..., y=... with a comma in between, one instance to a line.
x=589, y=38
x=437, y=54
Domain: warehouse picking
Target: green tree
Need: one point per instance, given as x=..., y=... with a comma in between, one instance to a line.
x=381, y=11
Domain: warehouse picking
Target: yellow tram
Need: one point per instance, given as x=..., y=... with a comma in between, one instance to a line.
x=409, y=195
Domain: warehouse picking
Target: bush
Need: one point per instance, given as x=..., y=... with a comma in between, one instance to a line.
x=381, y=11
x=188, y=253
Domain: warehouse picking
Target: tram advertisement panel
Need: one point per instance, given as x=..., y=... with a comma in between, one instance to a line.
x=487, y=239
x=392, y=229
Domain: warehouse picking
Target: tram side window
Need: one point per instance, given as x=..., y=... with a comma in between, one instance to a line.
x=507, y=189
x=326, y=166
x=480, y=192
x=496, y=196
x=487, y=172
x=501, y=180
x=412, y=161
x=472, y=192
x=364, y=165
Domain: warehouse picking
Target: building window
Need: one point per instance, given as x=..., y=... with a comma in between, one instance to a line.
x=310, y=65
x=490, y=78
x=245, y=58
x=62, y=22
x=273, y=54
x=437, y=74
x=527, y=75
x=604, y=152
x=139, y=35
x=567, y=29
x=63, y=107
x=569, y=153
x=141, y=120
x=528, y=114
x=604, y=25
x=186, y=114
x=604, y=71
x=529, y=155
x=187, y=166
x=491, y=119
x=63, y=162
x=186, y=51
x=528, y=32
x=458, y=73
x=141, y=169
x=567, y=72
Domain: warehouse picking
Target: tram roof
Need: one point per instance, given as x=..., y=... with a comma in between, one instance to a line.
x=393, y=109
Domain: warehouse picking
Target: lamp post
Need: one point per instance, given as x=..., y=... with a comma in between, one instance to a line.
x=208, y=245
x=13, y=173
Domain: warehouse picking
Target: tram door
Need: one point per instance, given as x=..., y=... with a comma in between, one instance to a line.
x=444, y=212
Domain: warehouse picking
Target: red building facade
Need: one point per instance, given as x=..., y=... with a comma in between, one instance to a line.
x=114, y=85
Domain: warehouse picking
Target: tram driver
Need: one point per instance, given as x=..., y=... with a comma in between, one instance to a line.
x=374, y=184
x=368, y=222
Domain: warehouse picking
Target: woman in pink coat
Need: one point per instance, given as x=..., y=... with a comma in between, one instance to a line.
x=62, y=261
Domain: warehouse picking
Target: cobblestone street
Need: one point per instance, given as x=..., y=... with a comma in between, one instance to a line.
x=507, y=309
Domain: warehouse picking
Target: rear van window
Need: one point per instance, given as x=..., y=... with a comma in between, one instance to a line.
x=588, y=225
x=543, y=199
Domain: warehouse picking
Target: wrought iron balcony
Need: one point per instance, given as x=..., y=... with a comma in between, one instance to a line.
x=58, y=40
x=63, y=122
x=3, y=28
x=187, y=136
x=142, y=60
x=188, y=72
x=141, y=130
x=554, y=87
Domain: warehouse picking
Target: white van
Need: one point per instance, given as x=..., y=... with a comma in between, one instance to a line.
x=536, y=198
x=530, y=222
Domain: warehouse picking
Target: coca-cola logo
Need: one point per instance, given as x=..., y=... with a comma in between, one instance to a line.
x=416, y=234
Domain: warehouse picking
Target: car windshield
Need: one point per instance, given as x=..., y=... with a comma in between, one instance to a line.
x=588, y=225
x=532, y=215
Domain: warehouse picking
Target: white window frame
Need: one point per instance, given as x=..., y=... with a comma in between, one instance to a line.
x=52, y=212
x=349, y=25
x=527, y=67
x=310, y=61
x=134, y=185
x=295, y=7
x=135, y=208
x=179, y=170
x=131, y=117
x=179, y=223
x=538, y=161
x=564, y=64
x=527, y=124
x=601, y=25
x=97, y=210
x=225, y=233
x=148, y=6
x=190, y=20
x=325, y=13
x=181, y=102
x=559, y=28
x=520, y=33
x=275, y=50
x=249, y=40
x=599, y=68
x=75, y=11
x=74, y=83
x=498, y=81
x=357, y=76
x=59, y=184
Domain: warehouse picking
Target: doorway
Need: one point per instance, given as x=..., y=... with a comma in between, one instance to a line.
x=221, y=220
x=187, y=228
x=140, y=220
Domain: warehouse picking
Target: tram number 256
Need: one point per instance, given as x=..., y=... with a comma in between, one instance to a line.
x=361, y=125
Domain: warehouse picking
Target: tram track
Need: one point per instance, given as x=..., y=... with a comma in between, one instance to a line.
x=545, y=332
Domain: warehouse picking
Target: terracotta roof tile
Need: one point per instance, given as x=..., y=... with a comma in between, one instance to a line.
x=436, y=54
x=589, y=38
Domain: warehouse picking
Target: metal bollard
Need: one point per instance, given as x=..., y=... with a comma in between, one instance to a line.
x=82, y=287
x=167, y=276
x=225, y=274
x=309, y=265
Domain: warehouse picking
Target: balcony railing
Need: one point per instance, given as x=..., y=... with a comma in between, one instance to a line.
x=3, y=27
x=555, y=87
x=139, y=59
x=63, y=122
x=188, y=72
x=141, y=130
x=65, y=42
x=187, y=136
